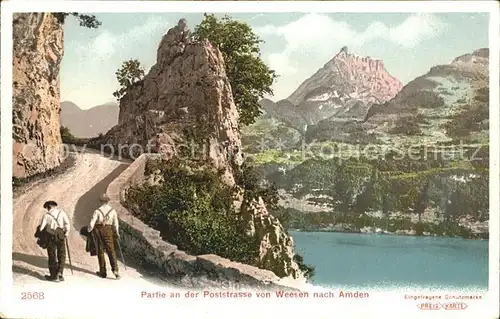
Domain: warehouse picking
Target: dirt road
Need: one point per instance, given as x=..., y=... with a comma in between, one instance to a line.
x=77, y=192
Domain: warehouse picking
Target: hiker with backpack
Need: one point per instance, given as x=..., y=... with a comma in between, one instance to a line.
x=104, y=227
x=55, y=223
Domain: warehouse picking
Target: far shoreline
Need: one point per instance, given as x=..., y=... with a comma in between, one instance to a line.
x=381, y=233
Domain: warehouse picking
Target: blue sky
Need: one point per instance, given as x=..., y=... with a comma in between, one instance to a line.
x=296, y=45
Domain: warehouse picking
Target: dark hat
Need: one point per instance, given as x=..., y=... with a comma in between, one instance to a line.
x=49, y=204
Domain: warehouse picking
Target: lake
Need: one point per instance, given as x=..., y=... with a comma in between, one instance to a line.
x=387, y=261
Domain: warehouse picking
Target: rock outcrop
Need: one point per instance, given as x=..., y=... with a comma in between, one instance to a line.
x=38, y=50
x=345, y=87
x=185, y=102
x=276, y=247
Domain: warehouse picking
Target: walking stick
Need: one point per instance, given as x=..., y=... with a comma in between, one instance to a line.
x=69, y=256
x=121, y=252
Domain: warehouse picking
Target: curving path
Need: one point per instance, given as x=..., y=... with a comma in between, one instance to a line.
x=77, y=192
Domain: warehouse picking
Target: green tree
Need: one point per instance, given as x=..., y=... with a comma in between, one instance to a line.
x=246, y=177
x=66, y=135
x=88, y=21
x=308, y=270
x=130, y=73
x=249, y=76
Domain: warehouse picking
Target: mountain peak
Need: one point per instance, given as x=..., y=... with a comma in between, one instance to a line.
x=476, y=56
x=89, y=122
x=344, y=59
x=483, y=52
x=70, y=107
x=349, y=76
x=344, y=52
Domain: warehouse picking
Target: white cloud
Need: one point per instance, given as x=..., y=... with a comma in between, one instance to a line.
x=322, y=35
x=279, y=61
x=257, y=16
x=105, y=44
x=416, y=29
x=153, y=24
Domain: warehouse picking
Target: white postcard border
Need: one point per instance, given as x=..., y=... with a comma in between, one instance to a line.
x=247, y=6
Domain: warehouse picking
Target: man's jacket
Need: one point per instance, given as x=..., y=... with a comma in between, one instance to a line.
x=90, y=245
x=42, y=237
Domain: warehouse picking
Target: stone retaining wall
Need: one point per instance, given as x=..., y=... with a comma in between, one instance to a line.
x=144, y=247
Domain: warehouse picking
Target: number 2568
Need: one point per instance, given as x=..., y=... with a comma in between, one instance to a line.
x=32, y=296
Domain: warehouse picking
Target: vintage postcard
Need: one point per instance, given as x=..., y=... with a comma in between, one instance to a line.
x=250, y=159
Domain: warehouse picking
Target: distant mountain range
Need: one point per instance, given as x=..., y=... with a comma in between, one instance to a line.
x=90, y=122
x=448, y=103
x=354, y=99
x=345, y=87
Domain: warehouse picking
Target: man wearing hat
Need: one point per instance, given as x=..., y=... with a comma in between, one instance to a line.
x=56, y=223
x=104, y=224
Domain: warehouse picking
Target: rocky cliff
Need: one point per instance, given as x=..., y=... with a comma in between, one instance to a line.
x=185, y=102
x=345, y=87
x=38, y=50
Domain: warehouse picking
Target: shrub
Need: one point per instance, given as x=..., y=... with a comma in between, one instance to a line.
x=130, y=73
x=67, y=137
x=247, y=178
x=308, y=270
x=192, y=209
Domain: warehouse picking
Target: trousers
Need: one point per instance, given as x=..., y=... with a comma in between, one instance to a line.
x=106, y=243
x=56, y=251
